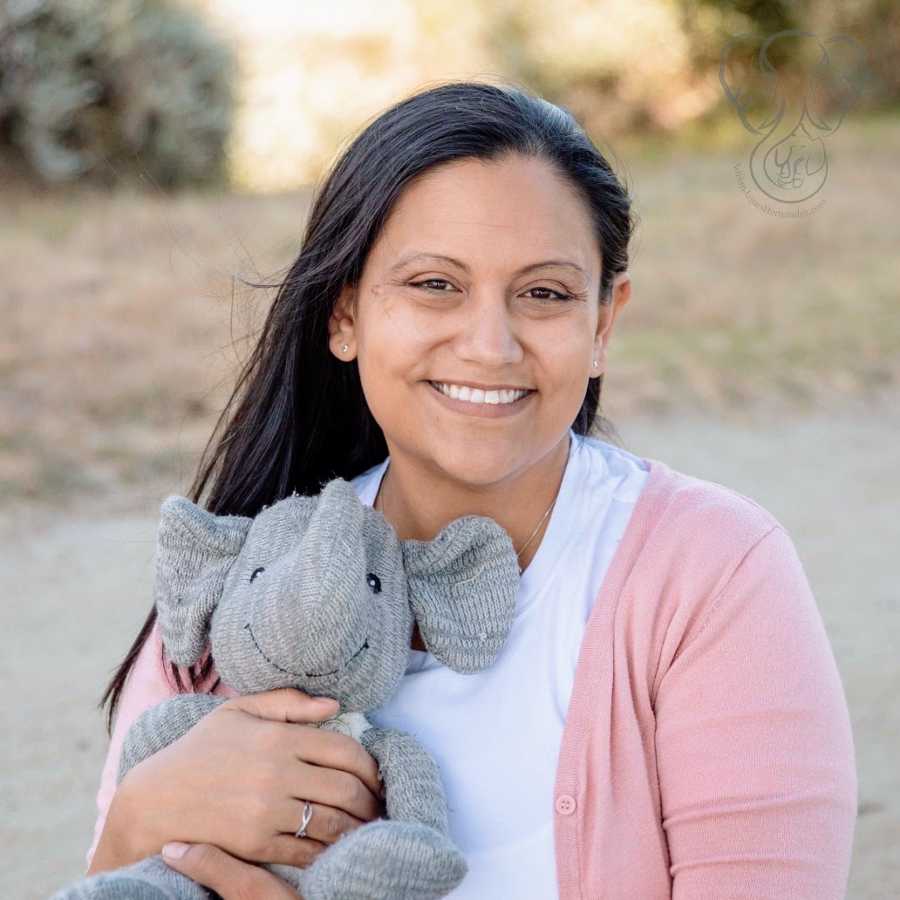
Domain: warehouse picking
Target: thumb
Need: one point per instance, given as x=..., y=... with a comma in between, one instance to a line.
x=228, y=877
x=285, y=705
x=207, y=865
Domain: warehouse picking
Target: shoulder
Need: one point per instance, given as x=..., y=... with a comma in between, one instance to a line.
x=685, y=510
x=688, y=538
x=702, y=549
x=679, y=523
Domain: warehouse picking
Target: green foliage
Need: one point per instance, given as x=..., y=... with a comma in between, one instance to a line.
x=867, y=59
x=111, y=89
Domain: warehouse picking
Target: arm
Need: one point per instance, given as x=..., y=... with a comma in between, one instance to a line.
x=120, y=844
x=148, y=683
x=116, y=842
x=754, y=745
x=159, y=726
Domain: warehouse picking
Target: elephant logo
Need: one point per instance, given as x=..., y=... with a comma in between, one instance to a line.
x=793, y=92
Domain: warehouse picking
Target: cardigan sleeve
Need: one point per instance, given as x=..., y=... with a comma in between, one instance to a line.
x=754, y=745
x=149, y=682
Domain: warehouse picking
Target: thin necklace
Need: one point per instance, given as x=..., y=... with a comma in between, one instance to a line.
x=533, y=533
x=536, y=530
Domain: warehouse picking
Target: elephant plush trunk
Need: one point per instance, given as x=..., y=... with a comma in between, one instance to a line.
x=319, y=609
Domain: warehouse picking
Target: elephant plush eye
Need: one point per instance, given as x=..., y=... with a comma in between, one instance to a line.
x=374, y=582
x=257, y=571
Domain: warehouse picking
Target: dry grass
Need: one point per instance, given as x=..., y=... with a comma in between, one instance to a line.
x=122, y=335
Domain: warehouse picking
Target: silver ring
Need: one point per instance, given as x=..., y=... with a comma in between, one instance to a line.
x=307, y=815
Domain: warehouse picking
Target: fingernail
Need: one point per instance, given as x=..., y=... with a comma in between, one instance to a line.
x=325, y=701
x=175, y=850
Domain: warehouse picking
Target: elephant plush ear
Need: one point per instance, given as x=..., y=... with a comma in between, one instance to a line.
x=194, y=551
x=463, y=587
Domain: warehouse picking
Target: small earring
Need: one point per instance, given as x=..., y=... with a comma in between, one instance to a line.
x=344, y=349
x=595, y=363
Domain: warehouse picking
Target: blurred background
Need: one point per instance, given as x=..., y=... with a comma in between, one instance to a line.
x=155, y=157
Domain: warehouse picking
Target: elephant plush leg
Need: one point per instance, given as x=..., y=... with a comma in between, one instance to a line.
x=162, y=725
x=414, y=791
x=385, y=860
x=410, y=854
x=148, y=879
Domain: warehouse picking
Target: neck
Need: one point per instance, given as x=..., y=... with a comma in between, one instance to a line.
x=418, y=507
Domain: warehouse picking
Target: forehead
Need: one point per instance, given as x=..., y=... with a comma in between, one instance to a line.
x=497, y=215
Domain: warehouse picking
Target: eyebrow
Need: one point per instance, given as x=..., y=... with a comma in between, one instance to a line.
x=416, y=257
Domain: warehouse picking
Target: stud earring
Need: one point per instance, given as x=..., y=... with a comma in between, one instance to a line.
x=344, y=349
x=595, y=363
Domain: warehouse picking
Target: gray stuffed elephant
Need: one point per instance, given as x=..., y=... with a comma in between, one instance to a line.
x=318, y=593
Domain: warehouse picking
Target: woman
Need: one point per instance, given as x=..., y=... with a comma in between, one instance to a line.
x=666, y=718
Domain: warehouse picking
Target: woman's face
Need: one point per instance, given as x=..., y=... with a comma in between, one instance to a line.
x=485, y=273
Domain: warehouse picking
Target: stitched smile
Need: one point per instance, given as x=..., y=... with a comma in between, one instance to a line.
x=305, y=674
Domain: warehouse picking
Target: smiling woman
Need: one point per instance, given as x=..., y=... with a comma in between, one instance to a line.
x=475, y=354
x=665, y=718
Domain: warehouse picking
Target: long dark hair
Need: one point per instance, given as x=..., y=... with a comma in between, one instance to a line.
x=297, y=417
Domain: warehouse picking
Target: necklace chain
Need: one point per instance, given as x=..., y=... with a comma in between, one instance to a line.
x=533, y=533
x=536, y=530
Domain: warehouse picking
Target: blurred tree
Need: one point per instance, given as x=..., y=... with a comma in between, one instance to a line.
x=875, y=26
x=860, y=40
x=618, y=65
x=111, y=89
x=707, y=22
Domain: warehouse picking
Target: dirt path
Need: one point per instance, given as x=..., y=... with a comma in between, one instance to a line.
x=76, y=588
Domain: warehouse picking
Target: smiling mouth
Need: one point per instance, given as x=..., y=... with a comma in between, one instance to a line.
x=304, y=674
x=526, y=391
x=323, y=674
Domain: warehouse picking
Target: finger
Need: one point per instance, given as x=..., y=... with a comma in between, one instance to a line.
x=230, y=878
x=293, y=851
x=335, y=788
x=285, y=705
x=333, y=750
x=326, y=823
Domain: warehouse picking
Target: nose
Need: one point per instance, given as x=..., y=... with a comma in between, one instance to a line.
x=488, y=334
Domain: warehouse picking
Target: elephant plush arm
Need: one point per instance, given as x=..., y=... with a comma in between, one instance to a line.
x=414, y=791
x=162, y=724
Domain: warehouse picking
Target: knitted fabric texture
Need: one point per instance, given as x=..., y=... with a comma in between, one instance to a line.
x=318, y=593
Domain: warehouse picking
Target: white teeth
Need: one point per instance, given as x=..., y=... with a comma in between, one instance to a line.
x=476, y=395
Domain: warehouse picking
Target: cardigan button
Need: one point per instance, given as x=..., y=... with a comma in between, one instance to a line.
x=565, y=804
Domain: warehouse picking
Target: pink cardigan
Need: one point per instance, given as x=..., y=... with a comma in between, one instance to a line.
x=707, y=752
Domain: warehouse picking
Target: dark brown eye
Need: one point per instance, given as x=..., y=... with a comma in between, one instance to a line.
x=257, y=571
x=374, y=582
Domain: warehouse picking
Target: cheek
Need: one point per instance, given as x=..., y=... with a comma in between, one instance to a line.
x=562, y=354
x=389, y=372
x=397, y=338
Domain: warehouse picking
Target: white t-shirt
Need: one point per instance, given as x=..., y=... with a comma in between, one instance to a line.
x=496, y=734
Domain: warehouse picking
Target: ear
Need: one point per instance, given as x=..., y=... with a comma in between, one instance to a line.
x=341, y=321
x=194, y=551
x=463, y=587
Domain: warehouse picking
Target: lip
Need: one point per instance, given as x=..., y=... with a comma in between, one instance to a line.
x=481, y=410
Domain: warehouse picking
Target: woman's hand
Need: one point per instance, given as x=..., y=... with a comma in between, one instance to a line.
x=230, y=878
x=239, y=779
